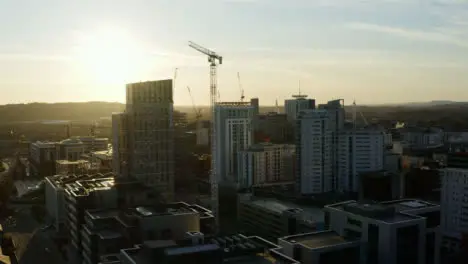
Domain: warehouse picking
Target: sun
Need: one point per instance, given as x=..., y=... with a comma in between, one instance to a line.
x=109, y=56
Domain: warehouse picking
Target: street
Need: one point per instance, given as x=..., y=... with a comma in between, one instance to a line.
x=32, y=244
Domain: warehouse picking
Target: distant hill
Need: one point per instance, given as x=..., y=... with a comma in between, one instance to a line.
x=58, y=111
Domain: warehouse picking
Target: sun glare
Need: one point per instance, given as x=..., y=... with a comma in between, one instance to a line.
x=109, y=56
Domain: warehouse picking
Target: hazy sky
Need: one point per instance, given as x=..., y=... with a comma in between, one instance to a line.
x=374, y=51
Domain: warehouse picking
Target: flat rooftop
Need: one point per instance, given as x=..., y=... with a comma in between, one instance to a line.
x=68, y=162
x=61, y=180
x=378, y=211
x=410, y=205
x=146, y=211
x=102, y=213
x=235, y=249
x=45, y=144
x=85, y=187
x=318, y=239
x=306, y=213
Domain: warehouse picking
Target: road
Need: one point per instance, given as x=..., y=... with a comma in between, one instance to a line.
x=31, y=242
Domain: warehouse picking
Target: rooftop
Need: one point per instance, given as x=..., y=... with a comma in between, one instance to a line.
x=406, y=205
x=166, y=209
x=62, y=180
x=233, y=104
x=235, y=249
x=318, y=239
x=377, y=211
x=267, y=145
x=85, y=187
x=44, y=144
x=68, y=162
x=102, y=213
x=306, y=213
x=71, y=141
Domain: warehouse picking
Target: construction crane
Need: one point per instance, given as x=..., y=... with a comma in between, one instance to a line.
x=195, y=109
x=240, y=87
x=213, y=59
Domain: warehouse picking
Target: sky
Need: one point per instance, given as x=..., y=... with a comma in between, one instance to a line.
x=371, y=51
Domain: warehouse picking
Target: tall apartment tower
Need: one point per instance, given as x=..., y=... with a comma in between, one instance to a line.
x=143, y=136
x=359, y=151
x=336, y=115
x=292, y=107
x=454, y=190
x=314, y=152
x=234, y=133
x=265, y=163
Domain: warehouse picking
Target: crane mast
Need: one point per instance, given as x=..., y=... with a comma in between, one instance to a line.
x=240, y=88
x=195, y=109
x=213, y=60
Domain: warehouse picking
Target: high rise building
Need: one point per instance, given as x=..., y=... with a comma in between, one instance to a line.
x=143, y=136
x=120, y=144
x=454, y=190
x=292, y=107
x=314, y=152
x=336, y=114
x=359, y=151
x=265, y=163
x=234, y=133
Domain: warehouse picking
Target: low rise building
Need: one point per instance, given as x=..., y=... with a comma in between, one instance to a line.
x=42, y=157
x=107, y=231
x=197, y=248
x=323, y=247
x=272, y=218
x=389, y=229
x=54, y=196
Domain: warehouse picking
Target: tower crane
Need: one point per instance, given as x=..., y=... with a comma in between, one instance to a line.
x=195, y=109
x=213, y=60
x=240, y=87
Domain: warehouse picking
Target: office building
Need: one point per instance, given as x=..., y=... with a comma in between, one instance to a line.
x=83, y=195
x=107, y=231
x=359, y=151
x=388, y=229
x=323, y=247
x=92, y=143
x=70, y=149
x=143, y=136
x=265, y=163
x=336, y=115
x=420, y=138
x=234, y=133
x=292, y=107
x=272, y=218
x=314, y=152
x=42, y=157
x=54, y=196
x=198, y=248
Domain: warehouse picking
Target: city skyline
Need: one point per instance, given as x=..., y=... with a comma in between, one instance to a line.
x=387, y=51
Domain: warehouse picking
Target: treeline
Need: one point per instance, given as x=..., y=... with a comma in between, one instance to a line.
x=58, y=111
